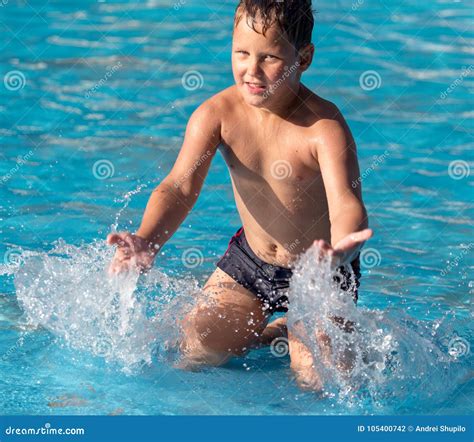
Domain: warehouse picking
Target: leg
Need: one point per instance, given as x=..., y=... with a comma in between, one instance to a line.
x=227, y=322
x=276, y=329
x=302, y=362
x=345, y=363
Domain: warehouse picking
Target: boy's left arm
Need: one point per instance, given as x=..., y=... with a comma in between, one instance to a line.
x=337, y=157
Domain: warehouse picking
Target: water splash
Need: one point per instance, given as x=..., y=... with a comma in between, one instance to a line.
x=126, y=200
x=127, y=319
x=374, y=356
x=133, y=319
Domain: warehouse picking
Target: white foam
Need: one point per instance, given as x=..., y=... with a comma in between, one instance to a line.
x=134, y=319
x=125, y=319
x=389, y=355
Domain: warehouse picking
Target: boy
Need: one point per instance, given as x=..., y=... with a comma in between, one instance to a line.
x=292, y=160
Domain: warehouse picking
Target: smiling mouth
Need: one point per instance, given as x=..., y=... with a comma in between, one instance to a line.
x=254, y=84
x=255, y=87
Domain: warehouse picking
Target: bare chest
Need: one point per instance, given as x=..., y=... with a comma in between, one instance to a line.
x=280, y=156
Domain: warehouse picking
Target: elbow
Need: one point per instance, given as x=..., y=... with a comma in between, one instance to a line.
x=181, y=189
x=361, y=218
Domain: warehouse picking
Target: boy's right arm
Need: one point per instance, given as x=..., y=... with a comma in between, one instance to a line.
x=173, y=199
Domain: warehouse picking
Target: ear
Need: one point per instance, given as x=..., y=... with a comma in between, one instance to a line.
x=305, y=55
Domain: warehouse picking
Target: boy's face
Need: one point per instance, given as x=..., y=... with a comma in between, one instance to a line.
x=266, y=67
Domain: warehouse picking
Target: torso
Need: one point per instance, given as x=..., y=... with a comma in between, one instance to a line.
x=275, y=175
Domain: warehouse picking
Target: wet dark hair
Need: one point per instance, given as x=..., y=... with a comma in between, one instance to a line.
x=294, y=17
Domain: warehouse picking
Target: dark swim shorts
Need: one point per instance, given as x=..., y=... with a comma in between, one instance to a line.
x=268, y=282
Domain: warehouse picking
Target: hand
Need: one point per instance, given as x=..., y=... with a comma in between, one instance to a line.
x=346, y=249
x=133, y=252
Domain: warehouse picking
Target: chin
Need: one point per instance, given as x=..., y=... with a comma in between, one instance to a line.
x=254, y=100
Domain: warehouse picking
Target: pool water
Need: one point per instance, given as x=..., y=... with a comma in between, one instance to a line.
x=93, y=108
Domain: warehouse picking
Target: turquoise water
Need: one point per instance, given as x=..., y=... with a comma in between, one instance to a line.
x=93, y=107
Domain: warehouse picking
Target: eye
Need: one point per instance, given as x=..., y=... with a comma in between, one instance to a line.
x=242, y=52
x=271, y=57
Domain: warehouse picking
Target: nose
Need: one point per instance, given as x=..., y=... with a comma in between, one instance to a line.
x=253, y=67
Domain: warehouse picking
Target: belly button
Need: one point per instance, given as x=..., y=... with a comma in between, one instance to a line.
x=274, y=247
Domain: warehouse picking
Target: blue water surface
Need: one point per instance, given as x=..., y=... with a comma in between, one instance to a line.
x=94, y=103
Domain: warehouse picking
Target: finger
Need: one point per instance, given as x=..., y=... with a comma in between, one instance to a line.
x=328, y=249
x=320, y=243
x=115, y=238
x=318, y=249
x=128, y=238
x=353, y=239
x=362, y=235
x=122, y=240
x=345, y=244
x=323, y=249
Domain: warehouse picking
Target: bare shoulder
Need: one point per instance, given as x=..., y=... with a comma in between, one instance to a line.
x=227, y=101
x=213, y=111
x=326, y=115
x=328, y=128
x=223, y=101
x=208, y=113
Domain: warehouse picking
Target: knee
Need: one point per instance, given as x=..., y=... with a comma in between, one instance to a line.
x=196, y=346
x=303, y=366
x=306, y=377
x=222, y=330
x=195, y=354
